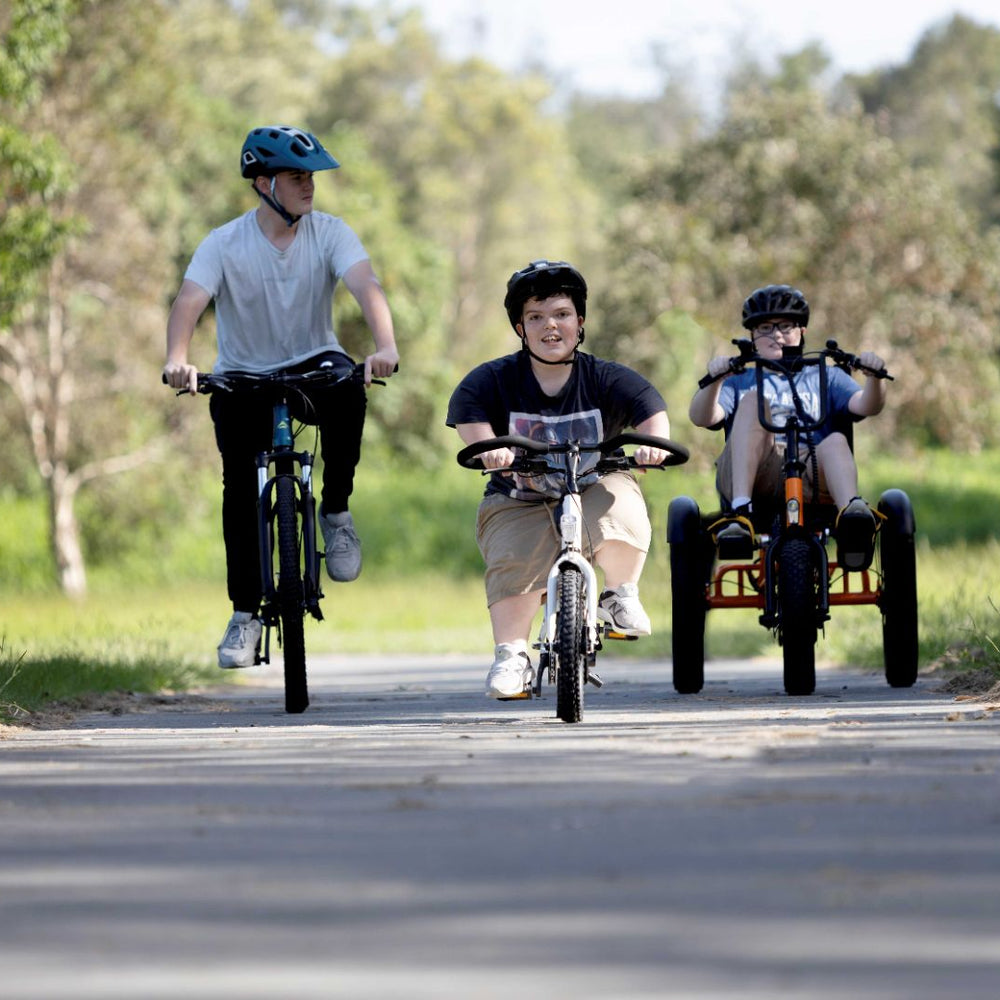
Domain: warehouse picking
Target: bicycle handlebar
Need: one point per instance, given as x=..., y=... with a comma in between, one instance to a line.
x=792, y=364
x=228, y=381
x=532, y=463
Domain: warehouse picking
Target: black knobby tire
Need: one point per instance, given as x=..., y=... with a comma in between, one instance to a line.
x=797, y=608
x=570, y=651
x=689, y=566
x=898, y=602
x=290, y=596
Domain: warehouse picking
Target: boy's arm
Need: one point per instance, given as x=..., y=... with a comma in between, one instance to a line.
x=870, y=398
x=363, y=284
x=704, y=410
x=191, y=302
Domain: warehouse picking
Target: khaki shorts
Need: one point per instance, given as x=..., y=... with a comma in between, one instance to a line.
x=519, y=539
x=769, y=482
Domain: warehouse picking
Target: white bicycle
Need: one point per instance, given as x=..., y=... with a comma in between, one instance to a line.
x=571, y=633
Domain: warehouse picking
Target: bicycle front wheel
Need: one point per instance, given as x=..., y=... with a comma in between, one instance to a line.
x=571, y=649
x=290, y=596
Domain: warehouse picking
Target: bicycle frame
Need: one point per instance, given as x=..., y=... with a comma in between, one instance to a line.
x=571, y=553
x=285, y=459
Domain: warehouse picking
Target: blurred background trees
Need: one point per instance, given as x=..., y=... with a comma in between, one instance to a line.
x=120, y=125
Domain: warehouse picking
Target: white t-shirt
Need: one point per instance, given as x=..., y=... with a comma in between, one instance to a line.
x=274, y=308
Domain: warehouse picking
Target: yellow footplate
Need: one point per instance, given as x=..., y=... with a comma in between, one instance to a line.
x=611, y=634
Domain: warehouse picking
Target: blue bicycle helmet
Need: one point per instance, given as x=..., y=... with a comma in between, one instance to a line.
x=273, y=148
x=540, y=279
x=775, y=302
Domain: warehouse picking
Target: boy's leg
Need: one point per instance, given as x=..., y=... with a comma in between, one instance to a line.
x=242, y=430
x=837, y=468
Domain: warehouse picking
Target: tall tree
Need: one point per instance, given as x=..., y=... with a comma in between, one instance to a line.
x=941, y=108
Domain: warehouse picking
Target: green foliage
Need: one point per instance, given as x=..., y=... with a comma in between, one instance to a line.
x=120, y=122
x=789, y=189
x=941, y=108
x=34, y=170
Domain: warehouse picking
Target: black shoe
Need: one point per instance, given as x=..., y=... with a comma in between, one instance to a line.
x=734, y=538
x=855, y=531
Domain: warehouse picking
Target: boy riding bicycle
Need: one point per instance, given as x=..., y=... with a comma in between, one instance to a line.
x=551, y=391
x=750, y=467
x=272, y=273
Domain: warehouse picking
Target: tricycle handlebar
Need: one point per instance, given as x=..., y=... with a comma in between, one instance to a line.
x=792, y=364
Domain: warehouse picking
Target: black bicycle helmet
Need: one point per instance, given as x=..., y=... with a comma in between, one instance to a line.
x=542, y=279
x=775, y=302
x=273, y=148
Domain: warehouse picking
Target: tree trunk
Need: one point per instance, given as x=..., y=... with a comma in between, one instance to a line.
x=65, y=534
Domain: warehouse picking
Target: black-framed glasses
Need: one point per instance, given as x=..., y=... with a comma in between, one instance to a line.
x=782, y=326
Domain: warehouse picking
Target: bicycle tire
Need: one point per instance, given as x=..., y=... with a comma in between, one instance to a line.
x=689, y=605
x=798, y=608
x=290, y=596
x=898, y=601
x=570, y=654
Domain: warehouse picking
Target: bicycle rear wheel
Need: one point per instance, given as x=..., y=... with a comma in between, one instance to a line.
x=571, y=651
x=290, y=596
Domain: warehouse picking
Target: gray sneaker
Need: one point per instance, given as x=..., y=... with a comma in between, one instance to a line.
x=343, y=547
x=623, y=611
x=240, y=645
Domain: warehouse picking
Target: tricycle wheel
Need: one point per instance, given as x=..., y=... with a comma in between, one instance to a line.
x=797, y=605
x=899, y=589
x=689, y=568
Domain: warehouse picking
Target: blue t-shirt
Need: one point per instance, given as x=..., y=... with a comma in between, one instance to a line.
x=601, y=399
x=840, y=388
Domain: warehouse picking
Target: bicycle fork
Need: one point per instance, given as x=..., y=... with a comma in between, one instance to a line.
x=284, y=460
x=571, y=554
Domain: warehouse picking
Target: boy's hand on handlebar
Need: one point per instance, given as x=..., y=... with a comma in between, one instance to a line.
x=501, y=458
x=181, y=376
x=648, y=455
x=381, y=364
x=871, y=361
x=719, y=366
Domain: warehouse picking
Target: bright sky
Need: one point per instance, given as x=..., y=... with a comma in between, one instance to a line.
x=603, y=46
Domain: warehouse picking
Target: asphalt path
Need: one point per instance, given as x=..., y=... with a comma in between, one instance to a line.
x=407, y=837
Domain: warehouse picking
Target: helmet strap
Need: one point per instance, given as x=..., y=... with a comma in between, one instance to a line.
x=571, y=360
x=272, y=200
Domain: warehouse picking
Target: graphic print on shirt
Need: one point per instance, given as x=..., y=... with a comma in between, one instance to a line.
x=586, y=426
x=779, y=394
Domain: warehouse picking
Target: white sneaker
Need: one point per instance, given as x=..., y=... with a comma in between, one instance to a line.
x=343, y=547
x=511, y=674
x=241, y=643
x=623, y=611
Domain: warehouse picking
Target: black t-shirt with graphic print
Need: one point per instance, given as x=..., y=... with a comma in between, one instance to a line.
x=601, y=399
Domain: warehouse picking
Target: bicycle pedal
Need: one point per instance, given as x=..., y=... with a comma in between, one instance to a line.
x=620, y=636
x=523, y=696
x=593, y=677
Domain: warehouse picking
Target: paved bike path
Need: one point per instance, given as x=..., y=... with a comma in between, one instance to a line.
x=407, y=837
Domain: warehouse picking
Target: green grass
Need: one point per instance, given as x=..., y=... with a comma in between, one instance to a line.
x=151, y=621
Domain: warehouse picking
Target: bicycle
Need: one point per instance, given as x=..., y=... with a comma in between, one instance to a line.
x=571, y=633
x=790, y=577
x=286, y=518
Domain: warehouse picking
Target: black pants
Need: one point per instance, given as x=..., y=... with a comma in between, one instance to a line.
x=243, y=430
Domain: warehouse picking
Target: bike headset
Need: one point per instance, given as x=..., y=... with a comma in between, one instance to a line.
x=542, y=279
x=784, y=302
x=270, y=149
